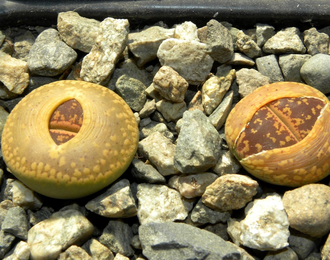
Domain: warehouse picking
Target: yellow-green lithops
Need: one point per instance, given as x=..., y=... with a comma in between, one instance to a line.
x=281, y=134
x=69, y=139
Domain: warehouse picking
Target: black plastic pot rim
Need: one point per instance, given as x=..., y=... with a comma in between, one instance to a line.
x=243, y=13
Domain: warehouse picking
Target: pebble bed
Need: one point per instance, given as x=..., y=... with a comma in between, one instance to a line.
x=184, y=196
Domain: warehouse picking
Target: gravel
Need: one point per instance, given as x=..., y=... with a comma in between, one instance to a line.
x=160, y=72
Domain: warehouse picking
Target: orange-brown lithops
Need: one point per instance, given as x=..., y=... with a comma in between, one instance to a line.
x=69, y=139
x=281, y=134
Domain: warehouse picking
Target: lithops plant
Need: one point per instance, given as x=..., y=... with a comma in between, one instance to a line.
x=280, y=133
x=69, y=139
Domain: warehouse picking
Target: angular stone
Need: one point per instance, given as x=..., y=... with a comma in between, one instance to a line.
x=303, y=245
x=78, y=32
x=186, y=31
x=152, y=126
x=6, y=241
x=192, y=185
x=264, y=32
x=97, y=251
x=219, y=115
x=48, y=238
x=187, y=58
x=227, y=164
x=196, y=102
x=214, y=89
x=144, y=45
x=128, y=67
x=99, y=64
x=316, y=72
x=265, y=226
x=285, y=41
x=159, y=150
x=49, y=55
x=204, y=142
x=39, y=215
x=269, y=67
x=219, y=42
x=203, y=215
x=22, y=196
x=170, y=84
x=74, y=252
x=117, y=236
x=14, y=73
x=246, y=45
x=165, y=204
x=291, y=64
x=171, y=111
x=229, y=192
x=5, y=205
x=316, y=42
x=116, y=202
x=239, y=59
x=20, y=252
x=146, y=172
x=163, y=241
x=132, y=91
x=308, y=209
x=22, y=46
x=250, y=79
x=121, y=257
x=16, y=222
x=148, y=108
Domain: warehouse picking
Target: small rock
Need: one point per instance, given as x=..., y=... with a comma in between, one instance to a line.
x=203, y=215
x=219, y=115
x=247, y=46
x=116, y=202
x=132, y=91
x=265, y=226
x=303, y=245
x=187, y=58
x=74, y=252
x=219, y=229
x=5, y=205
x=291, y=64
x=6, y=241
x=144, y=45
x=229, y=192
x=20, y=252
x=249, y=80
x=171, y=111
x=269, y=67
x=49, y=55
x=219, y=42
x=14, y=73
x=128, y=67
x=146, y=172
x=48, y=238
x=78, y=32
x=316, y=72
x=316, y=42
x=214, y=89
x=99, y=64
x=285, y=41
x=97, y=251
x=22, y=46
x=22, y=196
x=285, y=253
x=152, y=127
x=148, y=108
x=193, y=185
x=186, y=31
x=165, y=204
x=308, y=209
x=170, y=84
x=159, y=150
x=239, y=59
x=204, y=142
x=163, y=241
x=16, y=223
x=39, y=215
x=117, y=236
x=264, y=32
x=227, y=164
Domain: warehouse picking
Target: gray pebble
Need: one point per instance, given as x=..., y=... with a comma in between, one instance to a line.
x=16, y=223
x=269, y=67
x=291, y=64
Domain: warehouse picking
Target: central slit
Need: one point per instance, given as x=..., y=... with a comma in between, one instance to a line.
x=66, y=121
